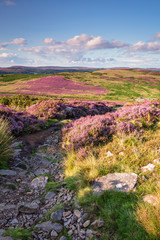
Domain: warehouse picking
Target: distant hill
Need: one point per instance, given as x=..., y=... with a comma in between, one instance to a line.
x=44, y=69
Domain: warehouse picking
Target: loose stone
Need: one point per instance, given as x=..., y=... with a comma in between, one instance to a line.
x=57, y=215
x=77, y=213
x=28, y=207
x=86, y=224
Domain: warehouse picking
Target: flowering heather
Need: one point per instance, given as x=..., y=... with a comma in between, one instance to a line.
x=89, y=130
x=58, y=85
x=60, y=109
x=19, y=121
x=92, y=130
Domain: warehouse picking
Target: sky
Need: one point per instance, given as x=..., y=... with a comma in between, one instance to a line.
x=90, y=33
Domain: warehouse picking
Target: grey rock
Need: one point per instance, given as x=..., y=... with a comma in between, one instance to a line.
x=50, y=195
x=39, y=182
x=90, y=233
x=6, y=238
x=57, y=227
x=28, y=208
x=22, y=165
x=9, y=207
x=77, y=213
x=8, y=172
x=123, y=182
x=63, y=238
x=54, y=234
x=14, y=221
x=86, y=224
x=1, y=232
x=67, y=222
x=70, y=232
x=41, y=171
x=99, y=223
x=57, y=215
x=45, y=226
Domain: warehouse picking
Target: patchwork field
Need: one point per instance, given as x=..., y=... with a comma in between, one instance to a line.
x=114, y=85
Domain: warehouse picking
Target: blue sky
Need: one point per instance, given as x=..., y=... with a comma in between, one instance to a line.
x=93, y=33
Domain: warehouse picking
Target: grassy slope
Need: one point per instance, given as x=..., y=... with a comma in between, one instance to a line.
x=122, y=84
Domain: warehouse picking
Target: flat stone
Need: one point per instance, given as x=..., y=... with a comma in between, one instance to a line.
x=8, y=172
x=14, y=221
x=86, y=223
x=149, y=167
x=63, y=238
x=45, y=226
x=57, y=227
x=39, y=182
x=90, y=233
x=57, y=215
x=28, y=208
x=99, y=223
x=6, y=238
x=153, y=200
x=77, y=213
x=1, y=232
x=50, y=195
x=41, y=171
x=9, y=207
x=54, y=234
x=123, y=182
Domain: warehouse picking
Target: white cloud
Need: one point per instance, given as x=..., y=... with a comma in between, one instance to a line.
x=49, y=41
x=146, y=47
x=15, y=41
x=7, y=55
x=19, y=41
x=79, y=40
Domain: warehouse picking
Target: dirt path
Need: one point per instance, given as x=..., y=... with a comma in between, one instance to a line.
x=33, y=192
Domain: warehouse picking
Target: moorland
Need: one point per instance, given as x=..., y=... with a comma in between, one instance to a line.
x=110, y=123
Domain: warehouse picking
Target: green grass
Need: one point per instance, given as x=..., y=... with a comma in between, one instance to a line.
x=5, y=143
x=18, y=233
x=125, y=214
x=121, y=84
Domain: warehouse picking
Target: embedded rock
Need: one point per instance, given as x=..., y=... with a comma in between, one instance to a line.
x=7, y=172
x=50, y=195
x=45, y=226
x=39, y=182
x=153, y=200
x=57, y=227
x=28, y=207
x=57, y=215
x=149, y=167
x=123, y=182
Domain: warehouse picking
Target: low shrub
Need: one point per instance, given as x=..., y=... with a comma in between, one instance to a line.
x=20, y=121
x=61, y=109
x=92, y=130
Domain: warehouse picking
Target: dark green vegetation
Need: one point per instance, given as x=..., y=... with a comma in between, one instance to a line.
x=13, y=77
x=19, y=233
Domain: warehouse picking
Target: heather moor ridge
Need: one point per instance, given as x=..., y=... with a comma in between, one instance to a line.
x=80, y=154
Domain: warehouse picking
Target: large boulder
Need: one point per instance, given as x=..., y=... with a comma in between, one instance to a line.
x=123, y=182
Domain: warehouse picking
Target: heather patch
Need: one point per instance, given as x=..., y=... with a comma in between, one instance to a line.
x=58, y=85
x=61, y=109
x=20, y=121
x=129, y=119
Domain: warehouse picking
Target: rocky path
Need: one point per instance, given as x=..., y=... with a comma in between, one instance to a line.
x=33, y=194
